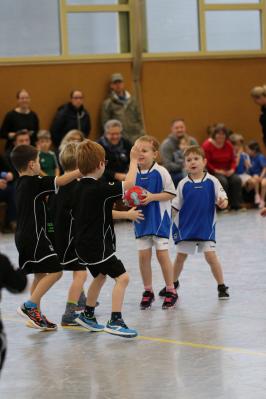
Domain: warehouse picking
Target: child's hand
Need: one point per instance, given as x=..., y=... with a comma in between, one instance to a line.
x=9, y=176
x=222, y=203
x=135, y=215
x=148, y=198
x=263, y=212
x=2, y=184
x=135, y=152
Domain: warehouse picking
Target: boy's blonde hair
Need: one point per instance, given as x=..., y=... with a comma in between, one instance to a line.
x=68, y=156
x=149, y=139
x=89, y=156
x=236, y=138
x=194, y=149
x=43, y=135
x=258, y=91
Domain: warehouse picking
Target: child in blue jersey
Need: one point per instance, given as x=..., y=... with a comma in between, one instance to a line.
x=258, y=170
x=194, y=223
x=154, y=230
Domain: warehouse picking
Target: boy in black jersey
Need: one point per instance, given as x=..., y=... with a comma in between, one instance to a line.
x=36, y=252
x=64, y=234
x=14, y=281
x=95, y=237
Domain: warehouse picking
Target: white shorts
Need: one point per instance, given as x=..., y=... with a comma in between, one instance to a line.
x=244, y=178
x=193, y=247
x=147, y=242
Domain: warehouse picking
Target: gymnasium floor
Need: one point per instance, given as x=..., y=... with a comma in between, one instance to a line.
x=203, y=349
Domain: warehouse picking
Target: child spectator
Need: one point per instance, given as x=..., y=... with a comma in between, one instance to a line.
x=95, y=237
x=36, y=252
x=243, y=164
x=194, y=223
x=154, y=230
x=48, y=161
x=14, y=281
x=258, y=171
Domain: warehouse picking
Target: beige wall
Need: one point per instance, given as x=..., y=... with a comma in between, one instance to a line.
x=201, y=91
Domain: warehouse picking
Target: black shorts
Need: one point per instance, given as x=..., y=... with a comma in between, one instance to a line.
x=73, y=266
x=112, y=267
x=50, y=264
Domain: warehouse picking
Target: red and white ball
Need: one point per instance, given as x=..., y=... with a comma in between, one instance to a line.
x=133, y=196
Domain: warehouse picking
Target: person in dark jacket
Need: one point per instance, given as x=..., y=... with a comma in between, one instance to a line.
x=14, y=281
x=20, y=118
x=258, y=94
x=71, y=116
x=117, y=150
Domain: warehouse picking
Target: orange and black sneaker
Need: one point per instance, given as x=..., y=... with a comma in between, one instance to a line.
x=49, y=325
x=33, y=316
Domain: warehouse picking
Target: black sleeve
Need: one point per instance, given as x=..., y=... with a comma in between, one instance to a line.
x=45, y=183
x=6, y=126
x=13, y=280
x=57, y=127
x=112, y=190
x=88, y=124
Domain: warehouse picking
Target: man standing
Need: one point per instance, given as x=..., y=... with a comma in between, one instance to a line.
x=122, y=106
x=70, y=116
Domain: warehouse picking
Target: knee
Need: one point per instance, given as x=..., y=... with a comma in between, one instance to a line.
x=123, y=279
x=235, y=180
x=81, y=276
x=57, y=275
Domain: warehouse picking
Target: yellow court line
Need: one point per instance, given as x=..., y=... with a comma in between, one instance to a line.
x=242, y=351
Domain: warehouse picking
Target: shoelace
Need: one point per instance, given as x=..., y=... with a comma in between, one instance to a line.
x=35, y=313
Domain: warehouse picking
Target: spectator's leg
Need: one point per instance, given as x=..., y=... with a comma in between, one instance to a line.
x=224, y=182
x=235, y=191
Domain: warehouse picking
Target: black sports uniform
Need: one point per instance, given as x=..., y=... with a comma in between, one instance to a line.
x=94, y=230
x=36, y=252
x=63, y=203
x=14, y=281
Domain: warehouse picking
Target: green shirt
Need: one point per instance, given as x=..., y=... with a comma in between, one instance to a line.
x=48, y=162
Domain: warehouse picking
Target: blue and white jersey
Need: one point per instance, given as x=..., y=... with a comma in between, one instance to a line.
x=195, y=202
x=157, y=214
x=241, y=167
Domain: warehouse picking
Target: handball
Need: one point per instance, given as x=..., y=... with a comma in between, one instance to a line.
x=133, y=196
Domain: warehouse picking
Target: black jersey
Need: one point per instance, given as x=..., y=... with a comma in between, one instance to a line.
x=94, y=230
x=64, y=223
x=31, y=236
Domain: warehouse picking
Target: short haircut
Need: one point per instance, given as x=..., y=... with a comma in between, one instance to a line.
x=177, y=120
x=43, y=135
x=74, y=91
x=89, y=156
x=258, y=91
x=236, y=138
x=23, y=132
x=254, y=146
x=68, y=156
x=22, y=155
x=219, y=127
x=194, y=149
x=112, y=123
x=149, y=139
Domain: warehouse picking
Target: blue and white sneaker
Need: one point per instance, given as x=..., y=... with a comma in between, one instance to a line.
x=118, y=327
x=89, y=323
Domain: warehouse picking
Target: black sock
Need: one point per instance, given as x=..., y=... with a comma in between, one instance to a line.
x=116, y=315
x=89, y=311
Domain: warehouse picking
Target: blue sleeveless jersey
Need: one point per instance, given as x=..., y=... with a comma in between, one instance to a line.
x=157, y=214
x=195, y=203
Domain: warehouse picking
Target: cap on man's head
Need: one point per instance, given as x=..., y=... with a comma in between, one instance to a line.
x=117, y=77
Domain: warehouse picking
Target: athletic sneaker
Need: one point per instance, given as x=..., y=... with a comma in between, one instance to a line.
x=169, y=300
x=162, y=293
x=119, y=327
x=223, y=292
x=147, y=299
x=69, y=319
x=49, y=325
x=33, y=315
x=89, y=322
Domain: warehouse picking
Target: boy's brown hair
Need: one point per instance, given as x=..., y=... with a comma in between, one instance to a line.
x=22, y=155
x=89, y=156
x=43, y=135
x=68, y=156
x=194, y=149
x=149, y=139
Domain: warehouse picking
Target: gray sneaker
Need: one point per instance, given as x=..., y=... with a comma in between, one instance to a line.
x=69, y=319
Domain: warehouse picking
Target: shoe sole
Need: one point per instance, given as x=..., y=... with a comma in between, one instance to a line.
x=70, y=324
x=119, y=333
x=21, y=313
x=224, y=299
x=30, y=325
x=90, y=328
x=169, y=307
x=146, y=307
